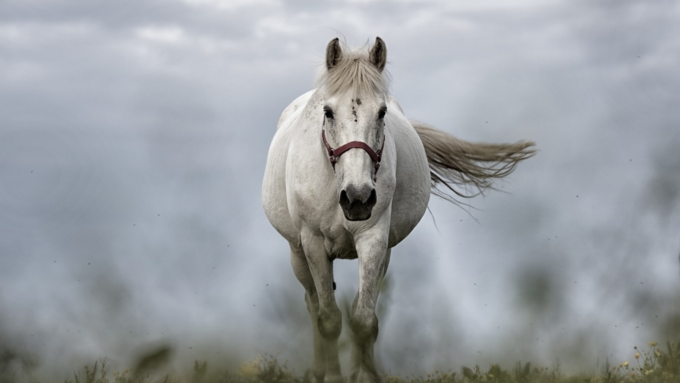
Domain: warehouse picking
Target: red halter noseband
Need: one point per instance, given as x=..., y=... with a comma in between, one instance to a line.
x=334, y=154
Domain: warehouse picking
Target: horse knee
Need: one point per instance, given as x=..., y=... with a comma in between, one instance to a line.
x=312, y=302
x=364, y=327
x=330, y=323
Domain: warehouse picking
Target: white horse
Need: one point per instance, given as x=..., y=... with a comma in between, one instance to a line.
x=348, y=176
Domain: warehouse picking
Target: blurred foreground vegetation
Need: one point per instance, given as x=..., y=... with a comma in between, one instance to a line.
x=654, y=364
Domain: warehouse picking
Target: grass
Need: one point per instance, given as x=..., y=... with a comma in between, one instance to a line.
x=653, y=365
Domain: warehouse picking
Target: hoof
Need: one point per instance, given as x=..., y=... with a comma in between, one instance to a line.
x=334, y=379
x=363, y=376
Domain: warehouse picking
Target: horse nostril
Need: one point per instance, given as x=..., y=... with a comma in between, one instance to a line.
x=371, y=199
x=344, y=200
x=357, y=203
x=353, y=195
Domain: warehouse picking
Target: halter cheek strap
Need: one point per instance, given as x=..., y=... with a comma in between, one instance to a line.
x=334, y=154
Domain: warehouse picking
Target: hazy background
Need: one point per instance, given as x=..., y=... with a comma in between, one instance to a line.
x=133, y=139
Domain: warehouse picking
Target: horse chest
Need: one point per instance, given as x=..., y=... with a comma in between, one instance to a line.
x=339, y=243
x=326, y=222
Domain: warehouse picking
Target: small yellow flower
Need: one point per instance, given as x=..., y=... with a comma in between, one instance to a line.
x=652, y=344
x=637, y=355
x=625, y=364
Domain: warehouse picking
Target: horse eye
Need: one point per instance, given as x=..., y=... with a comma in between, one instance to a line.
x=328, y=112
x=381, y=113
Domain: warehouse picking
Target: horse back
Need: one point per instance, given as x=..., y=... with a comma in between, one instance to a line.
x=293, y=107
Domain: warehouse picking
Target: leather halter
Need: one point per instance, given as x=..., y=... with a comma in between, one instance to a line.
x=334, y=154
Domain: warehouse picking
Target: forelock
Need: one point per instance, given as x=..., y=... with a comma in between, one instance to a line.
x=356, y=73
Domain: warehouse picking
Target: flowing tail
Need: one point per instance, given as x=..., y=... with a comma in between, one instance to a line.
x=457, y=163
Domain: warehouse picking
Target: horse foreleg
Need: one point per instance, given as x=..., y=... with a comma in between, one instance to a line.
x=324, y=311
x=373, y=262
x=301, y=270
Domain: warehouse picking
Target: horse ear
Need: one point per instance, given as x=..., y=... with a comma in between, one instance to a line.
x=333, y=53
x=378, y=54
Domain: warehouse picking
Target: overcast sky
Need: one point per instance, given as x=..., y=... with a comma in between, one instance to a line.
x=133, y=138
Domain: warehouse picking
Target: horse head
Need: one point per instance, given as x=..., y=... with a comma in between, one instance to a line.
x=354, y=108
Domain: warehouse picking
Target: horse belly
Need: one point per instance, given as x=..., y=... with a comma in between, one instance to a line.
x=274, y=198
x=412, y=193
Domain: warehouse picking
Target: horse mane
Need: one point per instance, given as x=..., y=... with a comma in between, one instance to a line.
x=457, y=163
x=354, y=72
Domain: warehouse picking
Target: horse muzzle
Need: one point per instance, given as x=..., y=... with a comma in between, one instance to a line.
x=357, y=203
